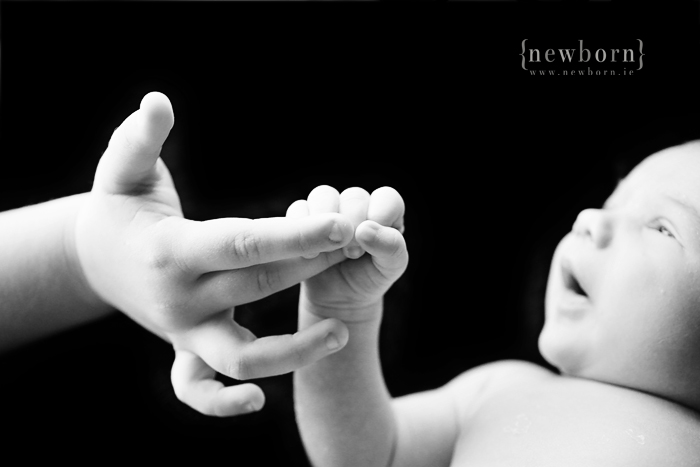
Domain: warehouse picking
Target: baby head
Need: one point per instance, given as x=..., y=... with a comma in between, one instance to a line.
x=623, y=294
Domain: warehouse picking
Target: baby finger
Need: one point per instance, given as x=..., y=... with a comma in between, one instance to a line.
x=354, y=203
x=387, y=208
x=387, y=247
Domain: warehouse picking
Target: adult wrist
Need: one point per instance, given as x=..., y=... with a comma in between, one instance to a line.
x=83, y=289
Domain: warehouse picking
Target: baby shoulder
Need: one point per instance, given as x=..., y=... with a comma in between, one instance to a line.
x=501, y=372
x=474, y=385
x=517, y=369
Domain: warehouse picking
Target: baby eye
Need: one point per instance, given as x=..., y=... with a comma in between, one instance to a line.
x=663, y=230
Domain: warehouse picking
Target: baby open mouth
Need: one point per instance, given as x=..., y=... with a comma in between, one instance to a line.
x=570, y=281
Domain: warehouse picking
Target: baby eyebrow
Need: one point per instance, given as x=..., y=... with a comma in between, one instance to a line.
x=607, y=202
x=688, y=208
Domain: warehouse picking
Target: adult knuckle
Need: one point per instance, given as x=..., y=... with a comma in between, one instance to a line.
x=156, y=252
x=156, y=257
x=267, y=280
x=176, y=244
x=305, y=244
x=246, y=245
x=239, y=367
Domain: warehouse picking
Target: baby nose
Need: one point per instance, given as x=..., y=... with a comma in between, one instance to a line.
x=595, y=224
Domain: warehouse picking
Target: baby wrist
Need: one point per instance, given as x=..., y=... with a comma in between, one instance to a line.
x=348, y=314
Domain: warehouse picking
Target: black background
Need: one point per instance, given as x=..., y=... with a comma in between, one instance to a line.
x=273, y=100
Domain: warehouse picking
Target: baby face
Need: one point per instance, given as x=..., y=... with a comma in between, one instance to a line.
x=623, y=296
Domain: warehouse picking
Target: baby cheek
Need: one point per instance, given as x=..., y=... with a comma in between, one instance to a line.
x=640, y=286
x=674, y=333
x=639, y=303
x=673, y=303
x=681, y=287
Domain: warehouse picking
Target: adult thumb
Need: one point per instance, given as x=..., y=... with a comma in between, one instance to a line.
x=129, y=160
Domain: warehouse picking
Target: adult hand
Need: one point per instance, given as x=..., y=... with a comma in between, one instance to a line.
x=181, y=279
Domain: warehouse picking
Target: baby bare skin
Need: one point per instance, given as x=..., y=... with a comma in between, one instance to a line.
x=541, y=419
x=622, y=327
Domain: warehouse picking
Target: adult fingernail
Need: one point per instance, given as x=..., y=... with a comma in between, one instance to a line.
x=336, y=234
x=332, y=342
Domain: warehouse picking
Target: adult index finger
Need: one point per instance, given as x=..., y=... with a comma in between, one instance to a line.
x=219, y=290
x=233, y=243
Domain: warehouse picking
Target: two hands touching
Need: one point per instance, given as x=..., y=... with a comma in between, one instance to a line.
x=182, y=279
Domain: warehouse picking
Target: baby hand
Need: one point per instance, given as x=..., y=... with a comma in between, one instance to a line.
x=181, y=279
x=377, y=255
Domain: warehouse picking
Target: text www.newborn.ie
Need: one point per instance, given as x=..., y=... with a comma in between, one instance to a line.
x=588, y=72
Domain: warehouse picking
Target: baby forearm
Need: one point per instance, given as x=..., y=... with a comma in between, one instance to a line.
x=42, y=290
x=342, y=404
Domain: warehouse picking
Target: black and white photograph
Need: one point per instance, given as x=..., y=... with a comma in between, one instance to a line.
x=350, y=233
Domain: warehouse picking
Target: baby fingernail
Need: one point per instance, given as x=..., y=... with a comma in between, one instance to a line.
x=251, y=407
x=332, y=342
x=353, y=252
x=336, y=234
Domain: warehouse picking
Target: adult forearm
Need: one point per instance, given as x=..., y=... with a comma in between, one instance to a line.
x=343, y=407
x=42, y=289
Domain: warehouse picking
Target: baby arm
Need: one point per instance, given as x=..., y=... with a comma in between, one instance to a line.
x=344, y=410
